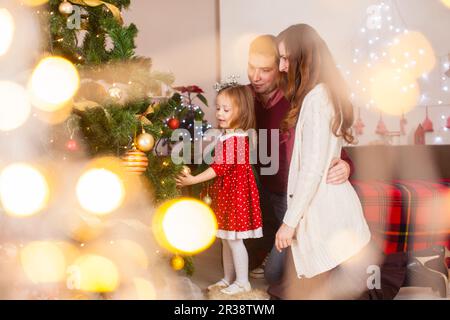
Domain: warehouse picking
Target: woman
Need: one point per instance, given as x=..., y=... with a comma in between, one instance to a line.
x=331, y=255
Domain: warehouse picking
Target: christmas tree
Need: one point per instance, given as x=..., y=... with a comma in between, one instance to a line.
x=88, y=132
x=122, y=106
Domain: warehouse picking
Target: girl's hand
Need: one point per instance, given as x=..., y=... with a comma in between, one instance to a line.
x=184, y=180
x=284, y=236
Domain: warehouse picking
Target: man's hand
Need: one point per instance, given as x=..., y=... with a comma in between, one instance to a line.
x=339, y=171
x=284, y=236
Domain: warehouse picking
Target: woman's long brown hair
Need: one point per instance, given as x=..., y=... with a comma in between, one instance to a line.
x=311, y=63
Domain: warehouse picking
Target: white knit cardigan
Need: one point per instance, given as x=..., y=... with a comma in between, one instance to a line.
x=329, y=221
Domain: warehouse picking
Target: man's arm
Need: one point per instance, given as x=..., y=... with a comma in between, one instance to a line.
x=340, y=169
x=346, y=158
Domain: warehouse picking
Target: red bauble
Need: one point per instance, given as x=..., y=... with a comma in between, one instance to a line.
x=72, y=145
x=173, y=123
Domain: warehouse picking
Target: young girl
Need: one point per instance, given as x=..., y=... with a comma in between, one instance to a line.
x=234, y=193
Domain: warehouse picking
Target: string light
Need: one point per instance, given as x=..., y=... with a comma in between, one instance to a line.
x=416, y=59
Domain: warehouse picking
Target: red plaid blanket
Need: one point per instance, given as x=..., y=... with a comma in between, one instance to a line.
x=406, y=215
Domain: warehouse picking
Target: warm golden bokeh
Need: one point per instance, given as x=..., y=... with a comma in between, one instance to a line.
x=128, y=255
x=7, y=28
x=133, y=252
x=393, y=91
x=34, y=3
x=94, y=273
x=14, y=108
x=171, y=221
x=69, y=250
x=446, y=3
x=144, y=289
x=100, y=191
x=54, y=82
x=413, y=53
x=24, y=191
x=340, y=244
x=84, y=227
x=43, y=262
x=55, y=117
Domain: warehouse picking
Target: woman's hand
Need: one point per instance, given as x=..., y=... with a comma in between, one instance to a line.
x=284, y=236
x=185, y=179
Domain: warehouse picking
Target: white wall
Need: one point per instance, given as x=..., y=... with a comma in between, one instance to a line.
x=181, y=37
x=338, y=21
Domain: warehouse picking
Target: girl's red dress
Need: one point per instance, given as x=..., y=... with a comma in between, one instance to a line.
x=234, y=192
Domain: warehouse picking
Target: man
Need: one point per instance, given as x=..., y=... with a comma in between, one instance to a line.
x=271, y=108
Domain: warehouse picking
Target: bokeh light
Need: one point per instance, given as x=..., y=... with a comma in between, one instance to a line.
x=185, y=226
x=413, y=52
x=446, y=3
x=43, y=262
x=129, y=256
x=34, y=3
x=15, y=107
x=7, y=30
x=132, y=251
x=69, y=250
x=54, y=82
x=55, y=117
x=84, y=227
x=144, y=289
x=343, y=244
x=394, y=92
x=95, y=274
x=24, y=190
x=100, y=191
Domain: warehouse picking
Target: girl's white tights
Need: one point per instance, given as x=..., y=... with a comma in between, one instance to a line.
x=235, y=261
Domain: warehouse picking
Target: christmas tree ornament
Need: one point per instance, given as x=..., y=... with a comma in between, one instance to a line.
x=65, y=8
x=71, y=127
x=186, y=170
x=177, y=263
x=207, y=199
x=143, y=120
x=448, y=123
x=72, y=145
x=145, y=141
x=173, y=123
x=419, y=135
x=427, y=124
x=150, y=110
x=381, y=127
x=135, y=161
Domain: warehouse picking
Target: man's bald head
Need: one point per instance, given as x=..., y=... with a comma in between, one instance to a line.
x=265, y=45
x=263, y=62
